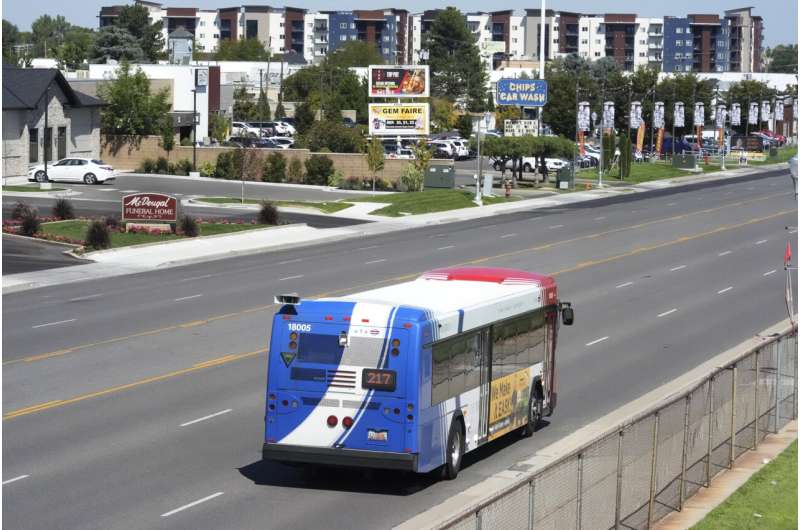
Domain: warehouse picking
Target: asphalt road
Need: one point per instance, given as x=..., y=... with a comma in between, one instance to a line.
x=23, y=255
x=137, y=402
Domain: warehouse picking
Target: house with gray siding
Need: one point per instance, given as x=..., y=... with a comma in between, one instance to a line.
x=73, y=120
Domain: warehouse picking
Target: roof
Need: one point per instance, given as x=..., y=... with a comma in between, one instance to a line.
x=180, y=33
x=23, y=88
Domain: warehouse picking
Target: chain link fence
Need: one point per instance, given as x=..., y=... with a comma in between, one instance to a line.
x=646, y=468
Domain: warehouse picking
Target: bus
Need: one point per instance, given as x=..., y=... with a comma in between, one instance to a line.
x=412, y=376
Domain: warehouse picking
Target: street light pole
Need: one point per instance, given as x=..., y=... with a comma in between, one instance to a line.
x=46, y=126
x=194, y=122
x=542, y=56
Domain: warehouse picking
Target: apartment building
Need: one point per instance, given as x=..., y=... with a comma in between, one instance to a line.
x=697, y=43
x=746, y=34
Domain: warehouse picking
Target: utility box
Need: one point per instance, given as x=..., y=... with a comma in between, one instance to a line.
x=440, y=176
x=684, y=161
x=488, y=183
x=565, y=177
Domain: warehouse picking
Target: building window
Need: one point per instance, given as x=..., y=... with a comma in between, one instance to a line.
x=584, y=41
x=677, y=68
x=61, y=142
x=584, y=28
x=202, y=36
x=514, y=28
x=598, y=41
x=341, y=37
x=386, y=51
x=33, y=148
x=386, y=38
x=353, y=37
x=281, y=25
x=352, y=25
x=514, y=41
x=678, y=30
x=597, y=54
x=678, y=56
x=678, y=43
x=202, y=23
x=641, y=54
x=343, y=25
x=216, y=35
x=688, y=67
x=689, y=43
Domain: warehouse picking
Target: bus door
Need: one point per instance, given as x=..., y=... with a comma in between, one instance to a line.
x=549, y=367
x=485, y=363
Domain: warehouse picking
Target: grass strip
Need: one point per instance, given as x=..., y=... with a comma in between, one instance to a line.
x=428, y=201
x=325, y=207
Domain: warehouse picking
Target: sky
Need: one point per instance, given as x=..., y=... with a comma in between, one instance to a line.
x=780, y=16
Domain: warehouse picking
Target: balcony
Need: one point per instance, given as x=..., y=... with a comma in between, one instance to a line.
x=321, y=27
x=655, y=31
x=655, y=46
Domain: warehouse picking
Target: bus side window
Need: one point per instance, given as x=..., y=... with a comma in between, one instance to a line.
x=440, y=375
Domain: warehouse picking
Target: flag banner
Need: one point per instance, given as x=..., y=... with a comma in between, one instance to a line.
x=736, y=114
x=608, y=115
x=779, y=110
x=640, y=136
x=679, y=114
x=720, y=116
x=635, y=115
x=699, y=114
x=584, y=116
x=658, y=115
x=581, y=143
x=765, y=111
x=721, y=137
x=752, y=114
x=659, y=140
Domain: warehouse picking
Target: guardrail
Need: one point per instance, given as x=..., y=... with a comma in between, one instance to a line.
x=644, y=468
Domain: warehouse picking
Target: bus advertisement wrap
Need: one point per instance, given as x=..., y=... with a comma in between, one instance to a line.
x=399, y=119
x=509, y=403
x=410, y=81
x=521, y=92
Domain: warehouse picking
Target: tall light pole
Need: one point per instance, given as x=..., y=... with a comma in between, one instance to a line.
x=542, y=56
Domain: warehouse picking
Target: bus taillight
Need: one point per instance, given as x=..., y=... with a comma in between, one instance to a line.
x=347, y=422
x=332, y=421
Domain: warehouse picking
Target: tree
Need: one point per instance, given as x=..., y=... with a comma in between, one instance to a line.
x=464, y=125
x=355, y=53
x=131, y=109
x=625, y=156
x=244, y=109
x=515, y=148
x=280, y=112
x=167, y=136
x=422, y=156
x=218, y=127
x=375, y=158
x=116, y=43
x=443, y=116
x=48, y=34
x=334, y=136
x=746, y=91
x=303, y=118
x=11, y=37
x=242, y=50
x=136, y=20
x=75, y=50
x=783, y=59
x=262, y=107
x=274, y=168
x=457, y=72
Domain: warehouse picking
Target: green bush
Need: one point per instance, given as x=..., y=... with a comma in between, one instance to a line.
x=30, y=224
x=350, y=183
x=162, y=166
x=412, y=179
x=22, y=210
x=274, y=168
x=63, y=209
x=184, y=167
x=148, y=166
x=186, y=142
x=112, y=223
x=295, y=174
x=98, y=236
x=189, y=226
x=268, y=214
x=318, y=169
x=333, y=135
x=625, y=156
x=206, y=169
x=228, y=166
x=336, y=179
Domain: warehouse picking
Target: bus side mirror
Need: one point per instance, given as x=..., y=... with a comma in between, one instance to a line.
x=567, y=314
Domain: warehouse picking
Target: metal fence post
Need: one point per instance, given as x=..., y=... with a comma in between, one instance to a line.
x=653, y=472
x=618, y=500
x=710, y=429
x=683, y=454
x=580, y=488
x=755, y=400
x=531, y=503
x=777, y=388
x=791, y=340
x=733, y=417
x=478, y=520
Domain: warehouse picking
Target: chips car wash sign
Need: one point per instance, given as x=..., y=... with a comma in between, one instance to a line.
x=521, y=92
x=149, y=207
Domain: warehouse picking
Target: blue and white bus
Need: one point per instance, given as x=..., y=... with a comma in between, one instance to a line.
x=414, y=375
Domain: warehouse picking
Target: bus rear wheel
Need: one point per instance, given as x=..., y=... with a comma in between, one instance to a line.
x=534, y=415
x=454, y=450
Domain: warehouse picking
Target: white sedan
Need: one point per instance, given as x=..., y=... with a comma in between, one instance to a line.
x=86, y=170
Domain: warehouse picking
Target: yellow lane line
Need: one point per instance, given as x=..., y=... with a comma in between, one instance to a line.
x=195, y=323
x=113, y=390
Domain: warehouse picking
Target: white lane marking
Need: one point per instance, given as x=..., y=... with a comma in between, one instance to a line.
x=634, y=211
x=601, y=339
x=195, y=503
x=368, y=248
x=671, y=203
x=108, y=189
x=773, y=184
x=673, y=269
x=600, y=218
x=724, y=253
x=762, y=241
x=728, y=193
x=188, y=297
x=769, y=272
x=665, y=313
x=374, y=261
x=196, y=277
x=9, y=481
x=557, y=226
x=82, y=298
x=750, y=189
x=725, y=290
x=198, y=420
x=289, y=261
x=129, y=191
x=53, y=323
x=793, y=230
x=507, y=235
x=290, y=278
x=445, y=248
x=620, y=286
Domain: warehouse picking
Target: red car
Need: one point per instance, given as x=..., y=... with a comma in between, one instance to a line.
x=779, y=137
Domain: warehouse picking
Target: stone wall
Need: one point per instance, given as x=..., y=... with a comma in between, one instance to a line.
x=130, y=155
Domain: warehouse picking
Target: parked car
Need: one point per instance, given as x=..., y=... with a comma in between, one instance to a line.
x=401, y=154
x=252, y=141
x=278, y=128
x=288, y=126
x=461, y=148
x=264, y=128
x=444, y=147
x=240, y=128
x=348, y=122
x=281, y=141
x=529, y=164
x=86, y=170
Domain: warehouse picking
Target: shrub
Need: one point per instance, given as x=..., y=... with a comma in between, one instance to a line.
x=148, y=166
x=98, y=235
x=336, y=179
x=186, y=142
x=318, y=169
x=112, y=223
x=22, y=210
x=184, y=167
x=63, y=209
x=295, y=172
x=162, y=166
x=334, y=136
x=350, y=183
x=228, y=166
x=30, y=225
x=206, y=169
x=172, y=169
x=268, y=214
x=189, y=226
x=412, y=178
x=274, y=168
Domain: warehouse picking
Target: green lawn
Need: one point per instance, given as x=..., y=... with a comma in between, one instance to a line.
x=76, y=231
x=767, y=500
x=427, y=201
x=29, y=188
x=784, y=154
x=325, y=207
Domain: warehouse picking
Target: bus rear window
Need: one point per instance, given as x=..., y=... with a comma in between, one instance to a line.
x=318, y=348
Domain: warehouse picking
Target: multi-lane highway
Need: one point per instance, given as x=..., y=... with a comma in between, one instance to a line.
x=137, y=401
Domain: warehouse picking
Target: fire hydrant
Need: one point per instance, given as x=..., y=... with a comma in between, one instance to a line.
x=508, y=188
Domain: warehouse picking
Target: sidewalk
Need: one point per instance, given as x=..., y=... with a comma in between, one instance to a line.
x=118, y=262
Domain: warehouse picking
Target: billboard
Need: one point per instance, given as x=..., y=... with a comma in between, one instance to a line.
x=521, y=92
x=399, y=119
x=409, y=81
x=521, y=127
x=752, y=144
x=149, y=207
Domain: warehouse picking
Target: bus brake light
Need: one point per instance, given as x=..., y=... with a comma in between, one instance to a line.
x=347, y=422
x=332, y=421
